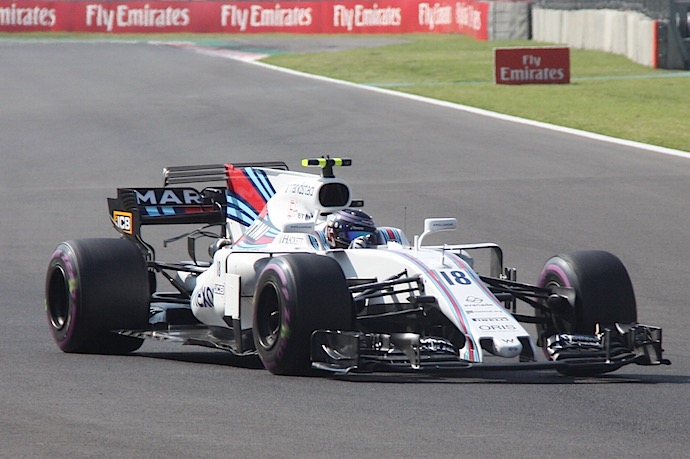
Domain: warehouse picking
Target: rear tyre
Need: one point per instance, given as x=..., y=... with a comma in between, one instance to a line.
x=94, y=286
x=603, y=290
x=295, y=295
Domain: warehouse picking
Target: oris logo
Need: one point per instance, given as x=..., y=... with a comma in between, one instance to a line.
x=497, y=327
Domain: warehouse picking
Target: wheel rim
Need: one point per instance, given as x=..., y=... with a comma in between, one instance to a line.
x=58, y=298
x=268, y=317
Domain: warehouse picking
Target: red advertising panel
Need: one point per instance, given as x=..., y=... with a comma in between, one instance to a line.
x=547, y=65
x=465, y=16
x=327, y=16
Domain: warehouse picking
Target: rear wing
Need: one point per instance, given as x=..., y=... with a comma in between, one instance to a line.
x=135, y=207
x=252, y=202
x=210, y=173
x=172, y=205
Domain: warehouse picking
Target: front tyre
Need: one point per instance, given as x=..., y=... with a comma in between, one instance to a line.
x=603, y=294
x=94, y=286
x=295, y=295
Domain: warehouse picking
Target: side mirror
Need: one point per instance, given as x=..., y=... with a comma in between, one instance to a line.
x=435, y=225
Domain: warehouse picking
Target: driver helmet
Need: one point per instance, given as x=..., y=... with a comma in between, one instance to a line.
x=344, y=226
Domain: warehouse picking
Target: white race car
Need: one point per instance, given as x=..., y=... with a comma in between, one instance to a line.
x=273, y=286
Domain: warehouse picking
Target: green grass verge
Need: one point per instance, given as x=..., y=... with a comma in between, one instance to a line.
x=609, y=94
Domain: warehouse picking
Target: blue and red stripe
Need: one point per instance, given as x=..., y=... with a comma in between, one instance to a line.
x=450, y=298
x=248, y=191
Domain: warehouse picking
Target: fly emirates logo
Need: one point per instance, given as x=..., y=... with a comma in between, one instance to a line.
x=464, y=14
x=124, y=16
x=256, y=16
x=361, y=16
x=27, y=16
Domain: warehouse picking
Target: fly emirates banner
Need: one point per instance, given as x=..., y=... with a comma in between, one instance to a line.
x=388, y=16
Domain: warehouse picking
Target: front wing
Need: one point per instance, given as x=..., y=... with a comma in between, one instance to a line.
x=344, y=352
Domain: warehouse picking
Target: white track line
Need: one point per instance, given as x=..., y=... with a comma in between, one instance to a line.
x=255, y=60
x=479, y=111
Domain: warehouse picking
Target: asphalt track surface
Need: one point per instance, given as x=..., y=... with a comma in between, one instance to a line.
x=79, y=120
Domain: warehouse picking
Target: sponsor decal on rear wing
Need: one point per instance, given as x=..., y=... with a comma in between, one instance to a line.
x=134, y=207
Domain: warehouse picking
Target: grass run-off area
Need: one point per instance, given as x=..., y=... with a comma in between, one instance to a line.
x=608, y=94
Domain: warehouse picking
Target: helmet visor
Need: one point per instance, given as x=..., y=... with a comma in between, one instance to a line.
x=354, y=234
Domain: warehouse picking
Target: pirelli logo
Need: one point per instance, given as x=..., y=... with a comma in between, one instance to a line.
x=124, y=221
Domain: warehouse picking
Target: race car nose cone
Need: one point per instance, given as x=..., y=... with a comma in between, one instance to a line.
x=506, y=347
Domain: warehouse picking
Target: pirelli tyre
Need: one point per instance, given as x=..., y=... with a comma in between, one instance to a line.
x=295, y=295
x=604, y=294
x=94, y=286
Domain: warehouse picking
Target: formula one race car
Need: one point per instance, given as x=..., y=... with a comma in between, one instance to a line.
x=273, y=286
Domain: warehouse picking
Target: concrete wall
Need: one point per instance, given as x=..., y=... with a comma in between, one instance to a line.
x=510, y=20
x=629, y=33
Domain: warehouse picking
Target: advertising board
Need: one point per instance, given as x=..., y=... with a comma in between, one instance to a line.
x=333, y=17
x=532, y=65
